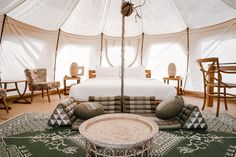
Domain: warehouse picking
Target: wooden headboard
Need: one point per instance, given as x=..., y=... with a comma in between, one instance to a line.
x=92, y=73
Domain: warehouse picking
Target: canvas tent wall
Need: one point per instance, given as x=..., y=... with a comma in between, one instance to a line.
x=91, y=29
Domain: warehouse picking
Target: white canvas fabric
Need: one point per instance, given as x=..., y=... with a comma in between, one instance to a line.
x=88, y=18
x=23, y=47
x=93, y=17
x=111, y=51
x=27, y=41
x=199, y=14
x=218, y=41
x=8, y=5
x=26, y=47
x=85, y=51
x=159, y=51
x=46, y=14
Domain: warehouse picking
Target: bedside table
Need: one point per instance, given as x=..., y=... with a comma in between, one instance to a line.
x=66, y=78
x=179, y=83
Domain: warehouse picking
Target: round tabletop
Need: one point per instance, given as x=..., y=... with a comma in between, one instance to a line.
x=118, y=130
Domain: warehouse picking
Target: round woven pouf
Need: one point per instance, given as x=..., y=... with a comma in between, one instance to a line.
x=123, y=135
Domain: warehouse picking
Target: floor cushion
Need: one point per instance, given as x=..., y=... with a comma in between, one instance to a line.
x=170, y=108
x=139, y=104
x=111, y=104
x=63, y=113
x=75, y=125
x=88, y=110
x=163, y=124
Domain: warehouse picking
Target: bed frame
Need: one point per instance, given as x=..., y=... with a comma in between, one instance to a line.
x=92, y=73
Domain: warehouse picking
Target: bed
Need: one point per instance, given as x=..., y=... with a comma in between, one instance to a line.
x=109, y=84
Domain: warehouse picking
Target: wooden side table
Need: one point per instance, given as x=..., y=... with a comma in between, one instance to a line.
x=66, y=78
x=16, y=82
x=179, y=83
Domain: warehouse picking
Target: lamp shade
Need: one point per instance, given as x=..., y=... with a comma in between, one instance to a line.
x=171, y=70
x=73, y=69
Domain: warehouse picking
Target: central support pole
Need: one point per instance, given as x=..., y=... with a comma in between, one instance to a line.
x=122, y=61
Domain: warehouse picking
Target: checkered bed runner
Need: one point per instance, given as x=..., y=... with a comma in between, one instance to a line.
x=139, y=104
x=132, y=104
x=111, y=104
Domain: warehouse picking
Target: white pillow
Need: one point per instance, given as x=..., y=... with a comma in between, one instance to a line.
x=107, y=72
x=135, y=72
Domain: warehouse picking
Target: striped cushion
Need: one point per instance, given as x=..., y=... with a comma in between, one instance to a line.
x=139, y=104
x=104, y=98
x=111, y=104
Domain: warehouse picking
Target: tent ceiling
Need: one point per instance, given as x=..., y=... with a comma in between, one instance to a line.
x=93, y=17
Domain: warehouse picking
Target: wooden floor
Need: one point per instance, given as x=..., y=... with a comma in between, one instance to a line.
x=41, y=105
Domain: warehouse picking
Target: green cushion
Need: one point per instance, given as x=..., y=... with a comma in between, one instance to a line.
x=170, y=108
x=88, y=110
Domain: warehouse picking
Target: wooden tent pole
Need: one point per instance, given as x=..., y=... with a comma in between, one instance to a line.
x=1, y=35
x=122, y=61
x=188, y=51
x=142, y=48
x=3, y=25
x=101, y=49
x=56, y=50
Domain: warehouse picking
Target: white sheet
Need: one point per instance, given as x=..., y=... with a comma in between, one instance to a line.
x=111, y=87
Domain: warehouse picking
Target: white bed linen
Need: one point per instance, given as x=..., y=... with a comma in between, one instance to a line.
x=111, y=87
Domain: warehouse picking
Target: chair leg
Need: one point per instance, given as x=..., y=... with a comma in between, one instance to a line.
x=42, y=94
x=5, y=105
x=204, y=102
x=48, y=96
x=218, y=103
x=59, y=93
x=225, y=100
x=32, y=94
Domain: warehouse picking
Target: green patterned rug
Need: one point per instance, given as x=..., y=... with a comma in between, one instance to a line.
x=28, y=135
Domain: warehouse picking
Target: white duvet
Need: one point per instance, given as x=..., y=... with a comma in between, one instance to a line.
x=112, y=87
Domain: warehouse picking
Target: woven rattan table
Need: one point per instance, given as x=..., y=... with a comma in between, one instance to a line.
x=123, y=135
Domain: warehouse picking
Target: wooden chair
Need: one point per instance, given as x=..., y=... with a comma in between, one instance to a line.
x=212, y=78
x=36, y=79
x=3, y=95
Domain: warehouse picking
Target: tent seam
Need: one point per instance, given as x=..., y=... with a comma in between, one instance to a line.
x=69, y=14
x=106, y=15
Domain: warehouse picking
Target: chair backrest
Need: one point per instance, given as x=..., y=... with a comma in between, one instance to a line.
x=35, y=76
x=210, y=70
